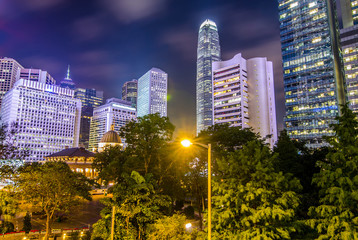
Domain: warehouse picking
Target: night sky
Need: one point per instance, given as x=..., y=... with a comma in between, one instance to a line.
x=108, y=42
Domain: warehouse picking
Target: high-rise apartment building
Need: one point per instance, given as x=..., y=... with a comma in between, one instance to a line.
x=243, y=95
x=67, y=81
x=36, y=75
x=208, y=51
x=313, y=68
x=129, y=92
x=48, y=117
x=349, y=44
x=115, y=112
x=8, y=74
x=152, y=93
x=90, y=99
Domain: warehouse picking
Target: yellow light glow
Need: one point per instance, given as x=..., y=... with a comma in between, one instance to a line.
x=186, y=143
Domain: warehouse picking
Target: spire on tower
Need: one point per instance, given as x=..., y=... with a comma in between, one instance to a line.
x=68, y=72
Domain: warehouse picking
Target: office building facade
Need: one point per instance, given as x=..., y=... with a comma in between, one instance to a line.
x=349, y=44
x=36, y=75
x=313, y=68
x=115, y=112
x=48, y=117
x=208, y=51
x=129, y=92
x=90, y=99
x=9, y=69
x=152, y=93
x=243, y=95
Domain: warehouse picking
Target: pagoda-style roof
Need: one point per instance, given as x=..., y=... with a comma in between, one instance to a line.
x=72, y=152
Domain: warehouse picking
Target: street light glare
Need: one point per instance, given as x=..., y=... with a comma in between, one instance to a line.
x=186, y=143
x=188, y=225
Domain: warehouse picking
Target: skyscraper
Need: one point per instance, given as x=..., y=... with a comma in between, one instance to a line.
x=349, y=43
x=48, y=117
x=8, y=74
x=67, y=81
x=243, y=95
x=90, y=98
x=36, y=75
x=152, y=93
x=115, y=112
x=208, y=51
x=313, y=68
x=129, y=92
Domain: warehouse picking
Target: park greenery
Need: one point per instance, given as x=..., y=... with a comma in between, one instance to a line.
x=288, y=192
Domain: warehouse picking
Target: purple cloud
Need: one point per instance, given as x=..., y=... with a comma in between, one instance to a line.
x=128, y=11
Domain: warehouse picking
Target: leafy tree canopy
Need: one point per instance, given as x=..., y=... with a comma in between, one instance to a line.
x=146, y=137
x=52, y=186
x=251, y=200
x=337, y=215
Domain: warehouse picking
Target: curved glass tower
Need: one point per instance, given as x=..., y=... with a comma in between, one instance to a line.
x=208, y=51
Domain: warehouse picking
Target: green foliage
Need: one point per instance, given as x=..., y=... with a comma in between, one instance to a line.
x=137, y=204
x=146, y=137
x=6, y=227
x=53, y=187
x=337, y=215
x=293, y=157
x=170, y=227
x=225, y=138
x=27, y=223
x=110, y=164
x=250, y=199
x=8, y=204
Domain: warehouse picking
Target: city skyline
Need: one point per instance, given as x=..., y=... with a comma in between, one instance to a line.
x=164, y=35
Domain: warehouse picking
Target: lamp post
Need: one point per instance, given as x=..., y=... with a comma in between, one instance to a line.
x=188, y=143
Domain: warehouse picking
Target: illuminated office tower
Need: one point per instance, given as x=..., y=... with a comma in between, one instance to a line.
x=129, y=92
x=208, y=51
x=243, y=95
x=116, y=112
x=152, y=93
x=8, y=74
x=90, y=98
x=313, y=68
x=48, y=117
x=67, y=81
x=349, y=43
x=36, y=75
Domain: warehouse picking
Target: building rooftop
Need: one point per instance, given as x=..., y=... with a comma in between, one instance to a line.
x=111, y=137
x=73, y=152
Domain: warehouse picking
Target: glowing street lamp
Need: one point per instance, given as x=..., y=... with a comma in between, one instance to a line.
x=188, y=143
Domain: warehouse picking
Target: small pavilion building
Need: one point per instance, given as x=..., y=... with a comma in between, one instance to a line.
x=78, y=159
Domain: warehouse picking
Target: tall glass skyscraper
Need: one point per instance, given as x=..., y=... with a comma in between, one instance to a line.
x=152, y=93
x=129, y=92
x=208, y=51
x=349, y=43
x=313, y=68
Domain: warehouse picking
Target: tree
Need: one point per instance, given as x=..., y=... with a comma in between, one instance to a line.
x=146, y=137
x=293, y=157
x=250, y=199
x=27, y=223
x=136, y=204
x=170, y=227
x=53, y=187
x=337, y=215
x=110, y=164
x=8, y=208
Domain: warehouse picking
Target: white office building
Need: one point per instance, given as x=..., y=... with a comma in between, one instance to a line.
x=9, y=69
x=152, y=93
x=112, y=115
x=243, y=95
x=48, y=117
x=36, y=75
